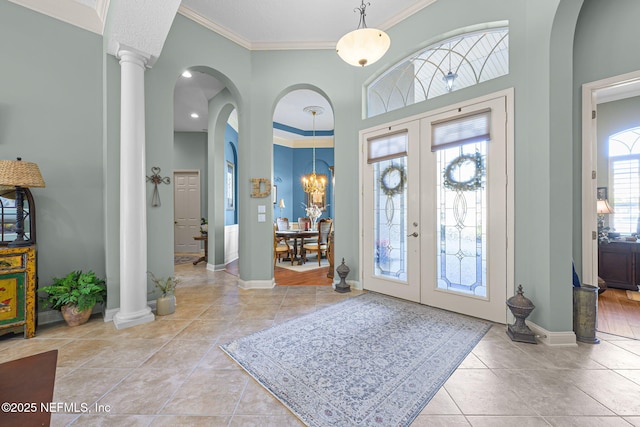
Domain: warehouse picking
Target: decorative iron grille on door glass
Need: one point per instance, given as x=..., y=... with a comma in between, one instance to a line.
x=466, y=59
x=460, y=146
x=388, y=154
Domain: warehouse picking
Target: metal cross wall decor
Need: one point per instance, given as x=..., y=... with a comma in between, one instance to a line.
x=156, y=179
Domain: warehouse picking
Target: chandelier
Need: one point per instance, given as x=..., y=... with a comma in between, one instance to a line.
x=311, y=183
x=363, y=46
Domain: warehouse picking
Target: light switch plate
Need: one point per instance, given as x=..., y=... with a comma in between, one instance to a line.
x=262, y=209
x=262, y=218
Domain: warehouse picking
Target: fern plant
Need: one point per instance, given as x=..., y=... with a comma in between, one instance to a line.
x=84, y=290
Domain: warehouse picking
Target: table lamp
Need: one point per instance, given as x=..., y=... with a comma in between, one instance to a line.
x=281, y=206
x=19, y=174
x=603, y=207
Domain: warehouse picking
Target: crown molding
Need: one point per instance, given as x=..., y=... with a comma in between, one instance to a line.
x=207, y=23
x=414, y=8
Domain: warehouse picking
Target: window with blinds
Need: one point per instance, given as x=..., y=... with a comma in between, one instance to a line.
x=624, y=180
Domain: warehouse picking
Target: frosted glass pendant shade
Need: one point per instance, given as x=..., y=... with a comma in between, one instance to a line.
x=363, y=46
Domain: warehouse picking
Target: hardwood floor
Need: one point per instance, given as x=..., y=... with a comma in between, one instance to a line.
x=617, y=314
x=284, y=277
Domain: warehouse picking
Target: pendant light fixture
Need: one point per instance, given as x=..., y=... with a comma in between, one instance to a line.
x=450, y=77
x=311, y=183
x=363, y=46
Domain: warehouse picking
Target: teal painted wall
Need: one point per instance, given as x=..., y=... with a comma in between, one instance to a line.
x=51, y=114
x=605, y=46
x=78, y=119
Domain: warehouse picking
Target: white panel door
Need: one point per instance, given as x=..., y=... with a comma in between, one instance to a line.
x=186, y=211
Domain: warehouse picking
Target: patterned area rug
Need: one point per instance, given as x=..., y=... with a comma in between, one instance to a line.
x=311, y=264
x=369, y=360
x=184, y=259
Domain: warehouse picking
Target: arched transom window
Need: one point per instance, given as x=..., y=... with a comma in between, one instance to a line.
x=450, y=64
x=624, y=176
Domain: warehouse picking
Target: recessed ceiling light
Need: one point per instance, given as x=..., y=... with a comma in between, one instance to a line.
x=186, y=74
x=194, y=115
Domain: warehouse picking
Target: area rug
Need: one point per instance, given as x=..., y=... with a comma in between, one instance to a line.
x=633, y=295
x=184, y=259
x=311, y=264
x=368, y=360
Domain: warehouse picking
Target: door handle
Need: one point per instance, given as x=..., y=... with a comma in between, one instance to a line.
x=175, y=222
x=414, y=234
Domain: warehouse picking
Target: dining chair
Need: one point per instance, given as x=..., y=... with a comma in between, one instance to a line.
x=304, y=223
x=283, y=224
x=281, y=248
x=324, y=228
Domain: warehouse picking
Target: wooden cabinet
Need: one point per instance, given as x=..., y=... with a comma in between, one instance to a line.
x=619, y=264
x=18, y=290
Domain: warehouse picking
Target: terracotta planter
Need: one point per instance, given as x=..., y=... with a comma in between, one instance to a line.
x=165, y=305
x=73, y=317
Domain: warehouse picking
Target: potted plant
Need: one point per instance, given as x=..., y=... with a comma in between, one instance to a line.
x=166, y=303
x=75, y=295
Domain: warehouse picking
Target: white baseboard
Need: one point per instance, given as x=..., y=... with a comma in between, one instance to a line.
x=256, y=284
x=353, y=284
x=553, y=339
x=53, y=316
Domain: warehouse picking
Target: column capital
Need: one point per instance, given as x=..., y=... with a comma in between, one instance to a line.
x=129, y=54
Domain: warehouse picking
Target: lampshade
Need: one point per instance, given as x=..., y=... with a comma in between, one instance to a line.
x=281, y=204
x=363, y=46
x=603, y=207
x=16, y=173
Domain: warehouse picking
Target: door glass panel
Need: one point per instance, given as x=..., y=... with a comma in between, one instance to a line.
x=390, y=218
x=462, y=219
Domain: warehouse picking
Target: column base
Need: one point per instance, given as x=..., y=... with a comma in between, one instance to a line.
x=121, y=321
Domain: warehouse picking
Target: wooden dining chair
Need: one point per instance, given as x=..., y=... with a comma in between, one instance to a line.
x=283, y=224
x=304, y=223
x=281, y=248
x=324, y=228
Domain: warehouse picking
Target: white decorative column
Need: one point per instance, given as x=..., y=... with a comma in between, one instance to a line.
x=133, y=213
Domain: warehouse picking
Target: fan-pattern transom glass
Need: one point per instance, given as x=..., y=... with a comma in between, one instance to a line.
x=471, y=58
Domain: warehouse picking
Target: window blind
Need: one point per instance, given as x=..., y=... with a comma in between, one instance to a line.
x=388, y=146
x=461, y=130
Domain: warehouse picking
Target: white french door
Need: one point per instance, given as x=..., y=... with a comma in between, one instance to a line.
x=439, y=237
x=391, y=211
x=186, y=211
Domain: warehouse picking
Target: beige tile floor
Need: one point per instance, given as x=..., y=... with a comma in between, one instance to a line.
x=171, y=372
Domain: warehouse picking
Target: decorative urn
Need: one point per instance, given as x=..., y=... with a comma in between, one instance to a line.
x=343, y=271
x=521, y=307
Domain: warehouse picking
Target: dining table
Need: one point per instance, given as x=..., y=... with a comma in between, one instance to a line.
x=295, y=235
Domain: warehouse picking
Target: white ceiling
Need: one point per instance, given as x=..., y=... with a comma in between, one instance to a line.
x=256, y=25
